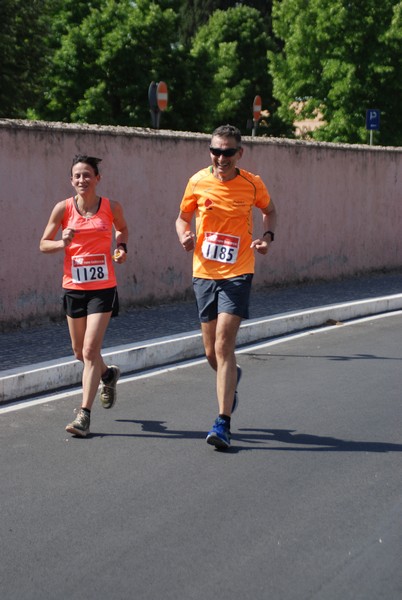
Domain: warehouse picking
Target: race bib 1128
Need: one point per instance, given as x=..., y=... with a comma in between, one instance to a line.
x=85, y=269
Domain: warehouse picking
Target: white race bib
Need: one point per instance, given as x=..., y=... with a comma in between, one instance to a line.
x=93, y=267
x=220, y=247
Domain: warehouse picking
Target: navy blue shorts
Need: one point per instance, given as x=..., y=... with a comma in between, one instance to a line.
x=214, y=296
x=78, y=303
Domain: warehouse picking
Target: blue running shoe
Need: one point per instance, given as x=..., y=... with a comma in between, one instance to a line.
x=219, y=436
x=236, y=395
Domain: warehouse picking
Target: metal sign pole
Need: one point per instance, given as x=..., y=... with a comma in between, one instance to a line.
x=153, y=104
x=257, y=104
x=255, y=127
x=158, y=100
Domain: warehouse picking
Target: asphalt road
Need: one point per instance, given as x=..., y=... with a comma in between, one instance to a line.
x=306, y=505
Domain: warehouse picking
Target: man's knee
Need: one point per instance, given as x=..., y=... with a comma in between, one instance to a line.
x=224, y=347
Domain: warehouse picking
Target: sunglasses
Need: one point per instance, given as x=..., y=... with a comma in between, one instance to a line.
x=226, y=152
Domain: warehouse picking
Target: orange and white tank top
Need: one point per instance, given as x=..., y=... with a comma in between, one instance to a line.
x=88, y=263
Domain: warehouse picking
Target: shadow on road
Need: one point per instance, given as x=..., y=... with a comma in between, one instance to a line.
x=317, y=443
x=335, y=357
x=259, y=439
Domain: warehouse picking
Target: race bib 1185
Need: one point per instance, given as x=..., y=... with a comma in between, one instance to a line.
x=221, y=247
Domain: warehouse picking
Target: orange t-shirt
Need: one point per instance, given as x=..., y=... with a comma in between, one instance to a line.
x=88, y=263
x=224, y=222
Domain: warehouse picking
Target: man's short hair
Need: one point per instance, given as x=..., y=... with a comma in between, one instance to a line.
x=226, y=131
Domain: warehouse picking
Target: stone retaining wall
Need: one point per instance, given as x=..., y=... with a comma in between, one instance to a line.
x=340, y=209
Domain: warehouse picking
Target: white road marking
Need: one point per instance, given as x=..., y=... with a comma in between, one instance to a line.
x=44, y=399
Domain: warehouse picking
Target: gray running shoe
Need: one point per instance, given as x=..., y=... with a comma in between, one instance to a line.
x=80, y=425
x=108, y=390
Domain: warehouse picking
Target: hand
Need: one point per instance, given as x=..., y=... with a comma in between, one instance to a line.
x=119, y=256
x=261, y=246
x=67, y=236
x=188, y=241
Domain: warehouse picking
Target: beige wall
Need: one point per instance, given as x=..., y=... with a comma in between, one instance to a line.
x=340, y=209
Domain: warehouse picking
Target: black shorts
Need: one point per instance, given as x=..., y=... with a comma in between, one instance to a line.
x=78, y=304
x=214, y=296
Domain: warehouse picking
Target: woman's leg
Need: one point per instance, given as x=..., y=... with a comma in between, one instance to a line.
x=77, y=329
x=94, y=365
x=87, y=336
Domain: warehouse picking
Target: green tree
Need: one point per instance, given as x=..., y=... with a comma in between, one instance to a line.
x=339, y=58
x=233, y=46
x=195, y=13
x=105, y=61
x=24, y=27
x=102, y=55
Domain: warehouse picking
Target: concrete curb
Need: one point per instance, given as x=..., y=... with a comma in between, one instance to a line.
x=62, y=373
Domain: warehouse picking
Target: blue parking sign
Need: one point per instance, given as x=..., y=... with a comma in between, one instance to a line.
x=373, y=119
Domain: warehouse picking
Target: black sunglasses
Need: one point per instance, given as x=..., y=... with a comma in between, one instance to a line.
x=226, y=152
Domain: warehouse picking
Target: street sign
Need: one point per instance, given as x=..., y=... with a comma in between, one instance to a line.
x=162, y=95
x=373, y=119
x=158, y=99
x=257, y=105
x=153, y=104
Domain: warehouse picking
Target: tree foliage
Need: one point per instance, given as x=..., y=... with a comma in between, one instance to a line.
x=24, y=27
x=234, y=46
x=340, y=58
x=105, y=62
x=107, y=54
x=93, y=61
x=196, y=13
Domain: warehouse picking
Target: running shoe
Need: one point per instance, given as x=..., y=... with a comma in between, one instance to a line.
x=108, y=390
x=219, y=436
x=236, y=395
x=80, y=425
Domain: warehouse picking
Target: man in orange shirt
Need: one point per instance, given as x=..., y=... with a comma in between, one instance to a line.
x=222, y=198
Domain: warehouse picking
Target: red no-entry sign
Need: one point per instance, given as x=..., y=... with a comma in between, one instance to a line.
x=162, y=95
x=257, y=105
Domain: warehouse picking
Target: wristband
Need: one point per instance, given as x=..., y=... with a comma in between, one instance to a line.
x=122, y=245
x=271, y=233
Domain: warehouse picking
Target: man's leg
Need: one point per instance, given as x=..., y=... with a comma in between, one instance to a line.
x=208, y=331
x=225, y=344
x=219, y=339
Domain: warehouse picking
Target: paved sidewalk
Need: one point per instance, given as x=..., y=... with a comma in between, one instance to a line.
x=145, y=329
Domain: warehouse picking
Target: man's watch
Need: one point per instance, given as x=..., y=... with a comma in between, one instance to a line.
x=271, y=233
